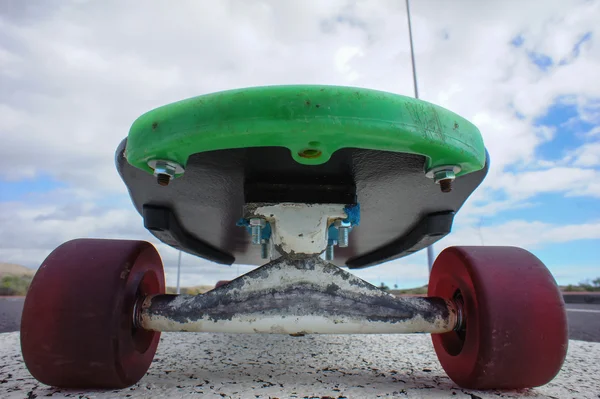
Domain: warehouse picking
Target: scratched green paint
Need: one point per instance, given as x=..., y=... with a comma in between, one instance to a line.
x=311, y=121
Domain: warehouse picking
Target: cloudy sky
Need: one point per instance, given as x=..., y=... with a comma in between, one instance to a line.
x=75, y=74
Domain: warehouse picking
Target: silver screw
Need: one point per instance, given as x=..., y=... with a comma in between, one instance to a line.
x=256, y=225
x=330, y=251
x=343, y=232
x=264, y=249
x=165, y=171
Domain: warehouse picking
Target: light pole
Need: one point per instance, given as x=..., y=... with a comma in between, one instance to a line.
x=430, y=254
x=178, y=273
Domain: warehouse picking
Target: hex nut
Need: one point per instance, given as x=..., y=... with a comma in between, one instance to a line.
x=340, y=223
x=443, y=175
x=166, y=167
x=257, y=222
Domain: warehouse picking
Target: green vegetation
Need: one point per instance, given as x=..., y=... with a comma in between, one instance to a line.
x=14, y=279
x=585, y=286
x=411, y=291
x=14, y=285
x=199, y=289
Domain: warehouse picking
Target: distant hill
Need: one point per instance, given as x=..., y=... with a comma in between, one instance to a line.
x=410, y=291
x=15, y=270
x=14, y=279
x=198, y=289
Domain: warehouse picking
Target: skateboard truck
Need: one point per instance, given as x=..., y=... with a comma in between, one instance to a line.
x=298, y=293
x=297, y=296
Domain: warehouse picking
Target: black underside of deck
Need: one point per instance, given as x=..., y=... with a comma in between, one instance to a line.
x=402, y=211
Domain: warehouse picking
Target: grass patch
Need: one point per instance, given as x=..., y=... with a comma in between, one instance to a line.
x=14, y=285
x=199, y=289
x=585, y=286
x=410, y=291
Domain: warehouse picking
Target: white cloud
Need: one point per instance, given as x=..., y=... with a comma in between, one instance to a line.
x=521, y=233
x=594, y=131
x=406, y=273
x=343, y=57
x=554, y=180
x=530, y=235
x=587, y=155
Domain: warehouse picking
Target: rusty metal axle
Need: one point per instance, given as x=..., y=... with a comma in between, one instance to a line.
x=297, y=296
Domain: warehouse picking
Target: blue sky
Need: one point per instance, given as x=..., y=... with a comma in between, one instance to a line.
x=571, y=132
x=78, y=74
x=28, y=189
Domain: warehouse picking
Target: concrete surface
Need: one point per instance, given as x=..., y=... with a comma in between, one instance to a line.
x=318, y=366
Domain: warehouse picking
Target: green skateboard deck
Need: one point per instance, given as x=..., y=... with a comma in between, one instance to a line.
x=301, y=144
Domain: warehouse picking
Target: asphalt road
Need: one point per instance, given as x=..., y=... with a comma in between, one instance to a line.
x=584, y=319
x=10, y=313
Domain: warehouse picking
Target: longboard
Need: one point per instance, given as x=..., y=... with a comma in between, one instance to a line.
x=402, y=210
x=303, y=169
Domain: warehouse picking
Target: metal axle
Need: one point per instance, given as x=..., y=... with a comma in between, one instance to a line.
x=297, y=296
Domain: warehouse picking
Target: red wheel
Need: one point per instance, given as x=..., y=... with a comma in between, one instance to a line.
x=514, y=332
x=77, y=326
x=221, y=282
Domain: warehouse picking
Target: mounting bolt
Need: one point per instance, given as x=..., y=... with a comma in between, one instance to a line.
x=165, y=171
x=446, y=185
x=264, y=249
x=330, y=251
x=343, y=232
x=256, y=225
x=444, y=176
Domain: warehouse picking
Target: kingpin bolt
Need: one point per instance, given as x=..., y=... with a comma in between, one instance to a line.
x=330, y=251
x=343, y=232
x=256, y=226
x=165, y=171
x=264, y=249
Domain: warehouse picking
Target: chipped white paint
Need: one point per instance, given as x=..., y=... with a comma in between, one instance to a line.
x=301, y=228
x=246, y=366
x=302, y=314
x=283, y=273
x=290, y=324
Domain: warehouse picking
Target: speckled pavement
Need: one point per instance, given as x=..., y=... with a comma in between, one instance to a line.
x=317, y=366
